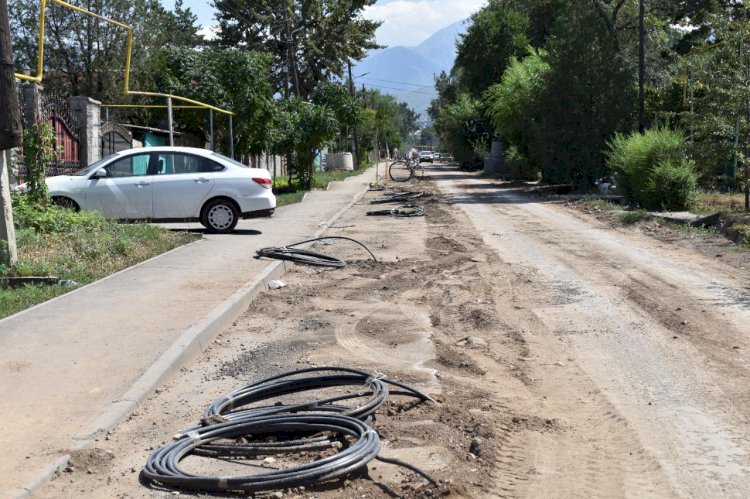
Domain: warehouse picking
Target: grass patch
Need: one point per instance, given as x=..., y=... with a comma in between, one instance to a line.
x=322, y=179
x=709, y=202
x=287, y=193
x=689, y=229
x=83, y=247
x=635, y=216
x=289, y=198
x=599, y=204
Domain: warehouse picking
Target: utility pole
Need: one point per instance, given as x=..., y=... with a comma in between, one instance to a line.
x=11, y=135
x=642, y=67
x=290, y=46
x=355, y=143
x=745, y=61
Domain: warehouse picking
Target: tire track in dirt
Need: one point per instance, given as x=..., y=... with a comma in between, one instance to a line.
x=661, y=402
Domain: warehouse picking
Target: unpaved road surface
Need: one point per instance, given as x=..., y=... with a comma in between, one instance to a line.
x=570, y=359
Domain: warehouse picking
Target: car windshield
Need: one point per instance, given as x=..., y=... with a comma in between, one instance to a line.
x=94, y=166
x=230, y=160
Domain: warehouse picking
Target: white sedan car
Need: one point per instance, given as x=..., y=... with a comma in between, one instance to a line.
x=169, y=184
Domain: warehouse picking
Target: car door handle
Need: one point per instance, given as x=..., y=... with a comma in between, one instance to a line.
x=142, y=184
x=200, y=180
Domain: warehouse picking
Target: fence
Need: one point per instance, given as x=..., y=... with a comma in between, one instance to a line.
x=54, y=110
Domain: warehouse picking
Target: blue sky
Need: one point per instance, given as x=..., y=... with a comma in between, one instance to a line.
x=406, y=22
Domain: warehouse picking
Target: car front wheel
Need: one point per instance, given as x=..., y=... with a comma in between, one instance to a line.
x=66, y=203
x=219, y=216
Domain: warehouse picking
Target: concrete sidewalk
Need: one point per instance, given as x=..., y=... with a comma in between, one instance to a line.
x=76, y=365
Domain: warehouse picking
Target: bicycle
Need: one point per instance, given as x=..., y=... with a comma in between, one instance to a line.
x=404, y=169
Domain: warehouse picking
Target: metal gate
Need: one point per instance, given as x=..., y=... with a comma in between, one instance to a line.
x=115, y=138
x=67, y=144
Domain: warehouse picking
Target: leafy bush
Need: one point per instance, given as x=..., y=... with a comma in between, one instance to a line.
x=465, y=130
x=631, y=217
x=653, y=169
x=519, y=166
x=39, y=154
x=673, y=185
x=51, y=219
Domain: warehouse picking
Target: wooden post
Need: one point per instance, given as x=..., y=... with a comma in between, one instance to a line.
x=11, y=135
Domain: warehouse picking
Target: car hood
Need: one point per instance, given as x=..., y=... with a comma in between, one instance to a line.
x=63, y=180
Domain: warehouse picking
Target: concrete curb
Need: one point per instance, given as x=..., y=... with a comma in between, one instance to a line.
x=189, y=345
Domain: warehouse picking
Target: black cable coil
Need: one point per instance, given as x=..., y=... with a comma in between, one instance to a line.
x=361, y=446
x=373, y=387
x=307, y=257
x=320, y=425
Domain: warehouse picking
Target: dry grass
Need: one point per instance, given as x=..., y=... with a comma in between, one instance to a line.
x=712, y=201
x=83, y=255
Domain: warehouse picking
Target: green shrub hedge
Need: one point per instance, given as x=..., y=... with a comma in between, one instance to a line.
x=653, y=169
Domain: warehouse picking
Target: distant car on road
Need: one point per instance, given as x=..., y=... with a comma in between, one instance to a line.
x=425, y=156
x=166, y=184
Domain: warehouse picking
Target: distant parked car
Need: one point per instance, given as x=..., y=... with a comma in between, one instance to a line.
x=425, y=156
x=165, y=184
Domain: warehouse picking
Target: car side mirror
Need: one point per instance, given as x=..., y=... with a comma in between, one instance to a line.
x=100, y=173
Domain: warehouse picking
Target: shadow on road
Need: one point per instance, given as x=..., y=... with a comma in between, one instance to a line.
x=490, y=190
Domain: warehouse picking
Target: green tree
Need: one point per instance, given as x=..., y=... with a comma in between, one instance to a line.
x=309, y=41
x=515, y=105
x=590, y=96
x=86, y=56
x=464, y=129
x=720, y=124
x=497, y=33
x=345, y=107
x=230, y=79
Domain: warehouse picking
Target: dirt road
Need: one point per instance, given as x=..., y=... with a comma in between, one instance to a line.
x=570, y=359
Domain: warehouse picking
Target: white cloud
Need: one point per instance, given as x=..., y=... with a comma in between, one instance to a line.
x=409, y=22
x=209, y=32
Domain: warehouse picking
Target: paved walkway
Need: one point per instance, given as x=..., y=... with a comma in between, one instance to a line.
x=72, y=367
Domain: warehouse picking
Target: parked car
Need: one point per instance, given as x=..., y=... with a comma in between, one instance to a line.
x=425, y=156
x=168, y=184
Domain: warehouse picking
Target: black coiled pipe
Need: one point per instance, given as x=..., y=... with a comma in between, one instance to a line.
x=375, y=388
x=363, y=445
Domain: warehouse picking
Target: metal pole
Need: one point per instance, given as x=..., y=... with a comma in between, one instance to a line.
x=231, y=138
x=355, y=142
x=169, y=119
x=642, y=67
x=211, y=127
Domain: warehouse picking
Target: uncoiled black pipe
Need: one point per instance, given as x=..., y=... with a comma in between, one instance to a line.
x=398, y=197
x=308, y=257
x=409, y=210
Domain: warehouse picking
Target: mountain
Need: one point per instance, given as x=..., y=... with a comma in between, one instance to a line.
x=440, y=48
x=408, y=73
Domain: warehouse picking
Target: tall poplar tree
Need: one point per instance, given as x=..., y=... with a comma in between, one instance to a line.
x=310, y=41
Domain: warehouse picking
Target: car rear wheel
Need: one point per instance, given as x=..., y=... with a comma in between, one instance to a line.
x=220, y=216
